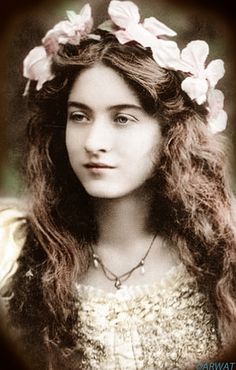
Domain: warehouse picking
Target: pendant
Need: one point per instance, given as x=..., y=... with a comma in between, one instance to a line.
x=142, y=269
x=95, y=261
x=117, y=283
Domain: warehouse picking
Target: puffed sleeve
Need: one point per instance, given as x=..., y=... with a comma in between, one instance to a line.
x=11, y=242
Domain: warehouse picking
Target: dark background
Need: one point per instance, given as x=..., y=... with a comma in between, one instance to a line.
x=25, y=22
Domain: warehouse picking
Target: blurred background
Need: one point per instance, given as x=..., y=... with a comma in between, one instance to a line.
x=23, y=26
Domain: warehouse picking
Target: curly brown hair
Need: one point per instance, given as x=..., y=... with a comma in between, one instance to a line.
x=191, y=199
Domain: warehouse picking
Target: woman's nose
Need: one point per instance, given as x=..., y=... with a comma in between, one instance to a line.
x=99, y=137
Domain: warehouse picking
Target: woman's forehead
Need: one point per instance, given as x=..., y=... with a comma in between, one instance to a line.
x=102, y=85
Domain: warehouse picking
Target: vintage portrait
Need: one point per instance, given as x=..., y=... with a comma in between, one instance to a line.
x=117, y=200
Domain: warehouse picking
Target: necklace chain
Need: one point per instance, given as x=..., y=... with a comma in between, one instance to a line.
x=119, y=279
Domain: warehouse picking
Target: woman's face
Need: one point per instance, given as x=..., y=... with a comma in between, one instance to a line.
x=112, y=142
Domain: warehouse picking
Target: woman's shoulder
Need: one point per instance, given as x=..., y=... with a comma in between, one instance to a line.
x=12, y=237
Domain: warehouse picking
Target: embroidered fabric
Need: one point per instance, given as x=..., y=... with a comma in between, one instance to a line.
x=166, y=325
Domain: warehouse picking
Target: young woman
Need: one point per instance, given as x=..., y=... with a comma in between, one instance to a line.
x=126, y=257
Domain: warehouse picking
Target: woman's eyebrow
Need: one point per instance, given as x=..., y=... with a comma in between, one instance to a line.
x=125, y=106
x=76, y=104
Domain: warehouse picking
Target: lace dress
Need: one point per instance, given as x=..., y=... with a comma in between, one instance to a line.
x=166, y=325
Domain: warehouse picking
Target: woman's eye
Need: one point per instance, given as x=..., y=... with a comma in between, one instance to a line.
x=124, y=119
x=78, y=117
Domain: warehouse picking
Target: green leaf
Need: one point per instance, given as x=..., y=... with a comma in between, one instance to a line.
x=108, y=26
x=71, y=15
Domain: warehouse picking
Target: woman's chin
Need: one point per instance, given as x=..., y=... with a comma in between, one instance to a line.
x=107, y=193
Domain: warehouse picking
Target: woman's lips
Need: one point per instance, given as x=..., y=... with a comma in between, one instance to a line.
x=98, y=165
x=98, y=168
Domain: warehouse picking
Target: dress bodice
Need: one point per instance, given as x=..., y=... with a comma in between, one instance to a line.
x=166, y=325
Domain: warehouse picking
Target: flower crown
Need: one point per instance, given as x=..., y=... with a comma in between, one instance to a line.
x=125, y=24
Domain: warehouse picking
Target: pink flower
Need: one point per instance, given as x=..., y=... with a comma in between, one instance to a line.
x=202, y=78
x=125, y=14
x=37, y=66
x=71, y=31
x=217, y=117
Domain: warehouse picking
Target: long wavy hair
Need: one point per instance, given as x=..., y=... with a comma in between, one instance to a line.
x=190, y=195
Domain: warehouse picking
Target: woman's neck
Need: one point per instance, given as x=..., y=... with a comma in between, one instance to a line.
x=121, y=221
x=124, y=240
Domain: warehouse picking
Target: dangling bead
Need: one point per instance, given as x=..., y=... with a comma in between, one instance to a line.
x=117, y=283
x=95, y=260
x=118, y=280
x=142, y=269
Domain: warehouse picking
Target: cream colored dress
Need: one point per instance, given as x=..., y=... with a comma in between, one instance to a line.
x=166, y=325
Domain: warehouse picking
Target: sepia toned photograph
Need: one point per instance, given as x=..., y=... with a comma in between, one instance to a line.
x=117, y=186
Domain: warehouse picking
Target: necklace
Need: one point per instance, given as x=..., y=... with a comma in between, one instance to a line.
x=119, y=279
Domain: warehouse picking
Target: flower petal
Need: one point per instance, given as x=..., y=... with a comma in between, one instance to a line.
x=51, y=45
x=123, y=12
x=37, y=66
x=157, y=28
x=63, y=28
x=138, y=33
x=36, y=54
x=218, y=123
x=86, y=13
x=166, y=54
x=82, y=21
x=196, y=88
x=73, y=40
x=215, y=99
x=123, y=36
x=72, y=30
x=215, y=71
x=195, y=54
